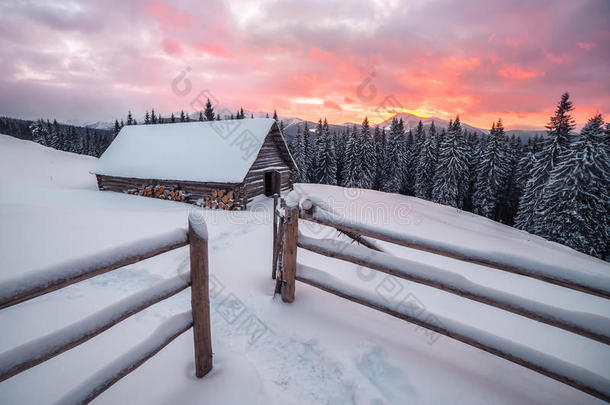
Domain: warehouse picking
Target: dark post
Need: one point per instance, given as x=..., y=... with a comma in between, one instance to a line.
x=200, y=295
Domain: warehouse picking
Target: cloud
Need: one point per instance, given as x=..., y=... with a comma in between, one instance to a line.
x=263, y=55
x=332, y=104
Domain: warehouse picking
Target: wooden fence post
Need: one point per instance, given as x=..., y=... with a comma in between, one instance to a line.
x=290, y=254
x=200, y=295
x=275, y=250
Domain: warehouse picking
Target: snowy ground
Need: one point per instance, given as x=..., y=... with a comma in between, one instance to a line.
x=319, y=349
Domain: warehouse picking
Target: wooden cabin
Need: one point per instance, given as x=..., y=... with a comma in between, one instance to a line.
x=217, y=164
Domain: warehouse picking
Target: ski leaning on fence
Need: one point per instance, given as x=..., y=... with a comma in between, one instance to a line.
x=32, y=353
x=286, y=271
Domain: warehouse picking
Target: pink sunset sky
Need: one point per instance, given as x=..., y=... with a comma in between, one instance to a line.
x=94, y=60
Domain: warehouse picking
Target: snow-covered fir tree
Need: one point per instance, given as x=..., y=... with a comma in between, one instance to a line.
x=308, y=154
x=298, y=153
x=451, y=177
x=394, y=158
x=543, y=163
x=426, y=165
x=575, y=209
x=379, y=139
x=491, y=173
x=352, y=169
x=369, y=159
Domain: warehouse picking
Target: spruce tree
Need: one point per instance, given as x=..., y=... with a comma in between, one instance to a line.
x=298, y=154
x=172, y=118
x=575, y=207
x=379, y=138
x=352, y=165
x=129, y=118
x=394, y=158
x=491, y=173
x=153, y=117
x=426, y=165
x=308, y=157
x=326, y=158
x=146, y=118
x=543, y=163
x=209, y=111
x=368, y=165
x=201, y=116
x=451, y=177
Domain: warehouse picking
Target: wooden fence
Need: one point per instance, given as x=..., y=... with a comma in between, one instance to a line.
x=42, y=349
x=286, y=271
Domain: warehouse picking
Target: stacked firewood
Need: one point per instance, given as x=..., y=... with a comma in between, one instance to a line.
x=220, y=199
x=164, y=193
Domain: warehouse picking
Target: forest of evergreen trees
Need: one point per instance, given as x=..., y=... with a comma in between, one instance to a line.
x=69, y=138
x=555, y=186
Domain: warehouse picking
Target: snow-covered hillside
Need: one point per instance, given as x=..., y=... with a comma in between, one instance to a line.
x=319, y=349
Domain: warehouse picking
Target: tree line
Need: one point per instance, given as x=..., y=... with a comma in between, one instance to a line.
x=69, y=138
x=555, y=186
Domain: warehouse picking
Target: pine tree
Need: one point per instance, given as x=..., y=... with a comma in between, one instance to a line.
x=298, y=154
x=201, y=116
x=326, y=158
x=491, y=173
x=575, y=209
x=352, y=164
x=369, y=161
x=340, y=140
x=153, y=117
x=182, y=116
x=380, y=140
x=146, y=118
x=543, y=163
x=309, y=152
x=394, y=158
x=509, y=200
x=39, y=132
x=426, y=165
x=129, y=118
x=209, y=111
x=275, y=116
x=451, y=177
x=172, y=118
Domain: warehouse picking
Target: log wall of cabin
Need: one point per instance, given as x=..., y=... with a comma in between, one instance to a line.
x=270, y=157
x=193, y=190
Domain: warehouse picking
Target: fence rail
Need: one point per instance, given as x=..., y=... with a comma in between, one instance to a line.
x=588, y=325
x=42, y=349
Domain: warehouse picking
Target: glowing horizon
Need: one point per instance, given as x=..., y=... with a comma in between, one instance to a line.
x=93, y=61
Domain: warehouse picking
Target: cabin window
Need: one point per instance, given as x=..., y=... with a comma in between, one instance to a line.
x=272, y=182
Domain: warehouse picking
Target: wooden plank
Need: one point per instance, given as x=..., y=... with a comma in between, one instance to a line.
x=540, y=362
x=387, y=237
x=128, y=362
x=290, y=254
x=591, y=326
x=275, y=247
x=200, y=296
x=39, y=284
x=28, y=355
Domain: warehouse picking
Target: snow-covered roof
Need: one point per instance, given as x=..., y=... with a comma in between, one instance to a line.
x=209, y=151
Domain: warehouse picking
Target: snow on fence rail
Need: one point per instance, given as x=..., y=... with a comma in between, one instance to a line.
x=288, y=271
x=565, y=277
x=42, y=349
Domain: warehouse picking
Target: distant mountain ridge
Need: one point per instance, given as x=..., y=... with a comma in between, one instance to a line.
x=292, y=123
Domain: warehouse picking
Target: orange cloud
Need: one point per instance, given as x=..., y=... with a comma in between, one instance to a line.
x=454, y=63
x=332, y=104
x=317, y=53
x=214, y=50
x=515, y=72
